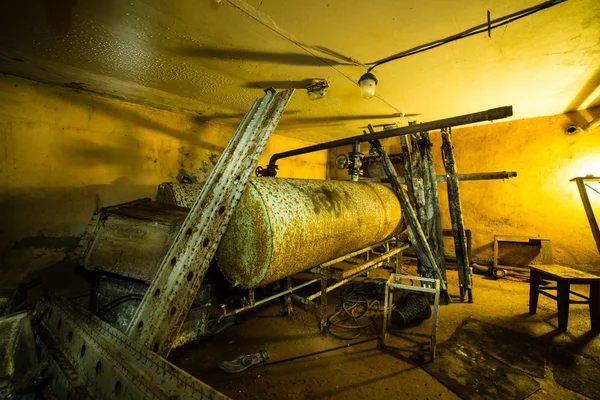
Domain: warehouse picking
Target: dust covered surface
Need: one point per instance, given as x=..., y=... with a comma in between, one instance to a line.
x=465, y=365
x=577, y=372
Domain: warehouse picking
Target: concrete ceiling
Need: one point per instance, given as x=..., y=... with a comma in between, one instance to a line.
x=213, y=57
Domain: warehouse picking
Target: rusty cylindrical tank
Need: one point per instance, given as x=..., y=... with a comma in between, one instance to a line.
x=283, y=226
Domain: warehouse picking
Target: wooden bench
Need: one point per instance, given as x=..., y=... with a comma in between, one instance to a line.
x=564, y=278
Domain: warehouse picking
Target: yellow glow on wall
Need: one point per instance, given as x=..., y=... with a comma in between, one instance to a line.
x=589, y=165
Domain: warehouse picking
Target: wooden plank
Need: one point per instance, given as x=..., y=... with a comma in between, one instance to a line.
x=561, y=272
x=520, y=239
x=132, y=239
x=465, y=272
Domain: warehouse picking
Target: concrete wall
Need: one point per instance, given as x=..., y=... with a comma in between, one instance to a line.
x=65, y=153
x=539, y=201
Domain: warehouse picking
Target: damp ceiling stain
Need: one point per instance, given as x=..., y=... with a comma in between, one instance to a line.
x=214, y=58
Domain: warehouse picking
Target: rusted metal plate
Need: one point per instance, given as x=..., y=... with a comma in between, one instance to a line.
x=19, y=371
x=284, y=226
x=180, y=274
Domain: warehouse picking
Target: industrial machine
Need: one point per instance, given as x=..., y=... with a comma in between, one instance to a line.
x=152, y=258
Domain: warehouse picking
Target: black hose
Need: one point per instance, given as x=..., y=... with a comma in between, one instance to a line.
x=117, y=302
x=487, y=27
x=360, y=306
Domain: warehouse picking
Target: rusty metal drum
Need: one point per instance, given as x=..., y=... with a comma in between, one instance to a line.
x=283, y=226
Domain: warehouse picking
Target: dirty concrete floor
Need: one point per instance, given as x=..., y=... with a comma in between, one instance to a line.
x=365, y=371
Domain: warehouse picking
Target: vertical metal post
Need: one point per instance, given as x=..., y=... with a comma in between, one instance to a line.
x=323, y=305
x=288, y=299
x=386, y=312
x=368, y=257
x=399, y=263
x=465, y=271
x=387, y=248
x=436, y=303
x=251, y=298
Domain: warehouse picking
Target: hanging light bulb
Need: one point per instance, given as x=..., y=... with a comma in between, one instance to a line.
x=367, y=84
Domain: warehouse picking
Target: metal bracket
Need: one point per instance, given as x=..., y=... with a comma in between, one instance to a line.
x=180, y=274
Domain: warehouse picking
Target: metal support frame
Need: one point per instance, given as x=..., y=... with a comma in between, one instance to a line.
x=180, y=274
x=342, y=277
x=107, y=362
x=254, y=303
x=587, y=206
x=395, y=282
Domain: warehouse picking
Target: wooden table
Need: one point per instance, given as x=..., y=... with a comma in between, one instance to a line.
x=564, y=278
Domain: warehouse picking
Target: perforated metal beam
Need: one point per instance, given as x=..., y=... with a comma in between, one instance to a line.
x=111, y=364
x=180, y=274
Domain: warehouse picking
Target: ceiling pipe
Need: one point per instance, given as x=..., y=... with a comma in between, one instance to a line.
x=489, y=115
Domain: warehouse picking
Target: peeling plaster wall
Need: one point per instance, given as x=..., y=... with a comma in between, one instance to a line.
x=539, y=201
x=65, y=153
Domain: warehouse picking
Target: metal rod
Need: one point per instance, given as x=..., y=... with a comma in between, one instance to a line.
x=267, y=299
x=316, y=353
x=489, y=115
x=370, y=264
x=354, y=253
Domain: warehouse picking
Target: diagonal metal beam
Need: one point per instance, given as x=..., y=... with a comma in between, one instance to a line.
x=180, y=274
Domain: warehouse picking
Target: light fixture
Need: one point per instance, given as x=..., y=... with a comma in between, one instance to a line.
x=317, y=89
x=367, y=84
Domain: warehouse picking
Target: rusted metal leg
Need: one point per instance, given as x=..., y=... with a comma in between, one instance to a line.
x=288, y=299
x=434, y=321
x=399, y=263
x=251, y=298
x=386, y=307
x=534, y=283
x=324, y=305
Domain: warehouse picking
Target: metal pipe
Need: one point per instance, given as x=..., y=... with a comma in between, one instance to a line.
x=267, y=299
x=353, y=254
x=481, y=176
x=370, y=264
x=489, y=115
x=316, y=353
